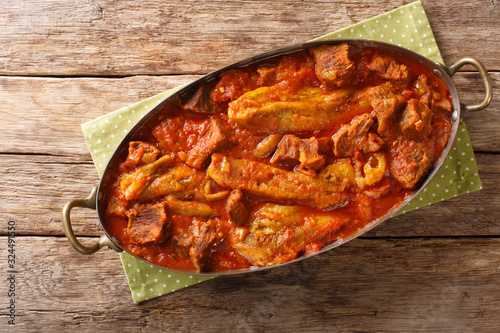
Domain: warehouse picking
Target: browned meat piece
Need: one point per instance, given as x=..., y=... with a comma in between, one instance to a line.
x=293, y=150
x=333, y=67
x=116, y=207
x=203, y=239
x=423, y=90
x=356, y=136
x=416, y=120
x=140, y=153
x=236, y=211
x=408, y=162
x=387, y=68
x=216, y=138
x=443, y=104
x=200, y=101
x=146, y=223
x=385, y=101
x=263, y=180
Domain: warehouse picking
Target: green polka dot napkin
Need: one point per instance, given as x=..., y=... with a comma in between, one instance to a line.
x=406, y=26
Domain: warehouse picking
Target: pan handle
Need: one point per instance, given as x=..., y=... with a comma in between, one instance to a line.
x=484, y=76
x=103, y=241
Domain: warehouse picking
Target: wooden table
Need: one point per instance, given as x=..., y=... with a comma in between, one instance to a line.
x=63, y=63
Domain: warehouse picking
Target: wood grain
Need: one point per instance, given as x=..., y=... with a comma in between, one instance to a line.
x=49, y=182
x=111, y=37
x=43, y=115
x=410, y=285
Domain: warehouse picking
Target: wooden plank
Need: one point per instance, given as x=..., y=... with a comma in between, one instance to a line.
x=43, y=115
x=111, y=37
x=34, y=189
x=395, y=285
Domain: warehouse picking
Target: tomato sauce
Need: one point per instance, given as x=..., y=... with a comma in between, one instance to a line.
x=200, y=233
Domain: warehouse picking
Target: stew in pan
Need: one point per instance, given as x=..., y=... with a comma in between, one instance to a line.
x=278, y=159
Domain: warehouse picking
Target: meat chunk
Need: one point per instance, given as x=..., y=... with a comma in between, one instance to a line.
x=293, y=150
x=146, y=223
x=408, y=162
x=423, y=90
x=356, y=136
x=200, y=101
x=140, y=153
x=203, y=233
x=308, y=109
x=278, y=233
x=263, y=180
x=385, y=101
x=216, y=138
x=416, y=120
x=443, y=104
x=236, y=211
x=385, y=67
x=333, y=66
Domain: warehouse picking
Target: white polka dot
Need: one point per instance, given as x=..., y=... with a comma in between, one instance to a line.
x=406, y=26
x=381, y=35
x=364, y=25
x=156, y=280
x=103, y=155
x=112, y=135
x=397, y=21
x=150, y=289
x=159, y=294
x=442, y=176
x=390, y=40
x=458, y=163
x=107, y=121
x=120, y=116
x=99, y=141
x=437, y=185
x=433, y=194
x=425, y=189
x=138, y=270
x=446, y=166
x=481, y=188
x=129, y=265
x=190, y=276
x=124, y=131
x=173, y=289
x=116, y=126
x=133, y=111
x=95, y=150
x=402, y=35
x=467, y=169
x=360, y=35
x=475, y=173
x=90, y=135
x=451, y=181
x=421, y=198
x=410, y=16
x=458, y=186
x=429, y=49
x=454, y=148
x=387, y=16
x=147, y=275
x=446, y=190
x=138, y=294
x=107, y=145
x=394, y=30
x=168, y=275
x=177, y=281
x=352, y=30
x=385, y=25
x=451, y=157
x=145, y=106
x=472, y=183
x=339, y=35
x=373, y=30
x=160, y=271
x=142, y=284
x=129, y=121
x=472, y=159
x=133, y=279
x=100, y=164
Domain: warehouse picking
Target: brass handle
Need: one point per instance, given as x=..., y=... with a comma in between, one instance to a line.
x=103, y=241
x=484, y=76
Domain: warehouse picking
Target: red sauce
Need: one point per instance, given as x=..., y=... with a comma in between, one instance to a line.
x=179, y=131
